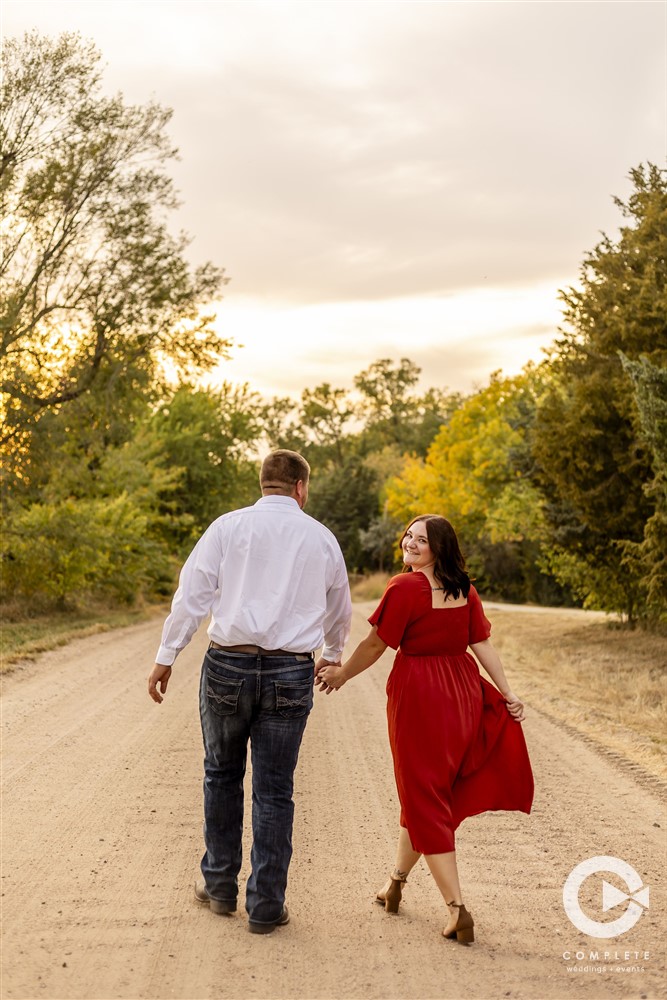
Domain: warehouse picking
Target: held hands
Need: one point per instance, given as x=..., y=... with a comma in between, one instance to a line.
x=328, y=675
x=514, y=707
x=159, y=676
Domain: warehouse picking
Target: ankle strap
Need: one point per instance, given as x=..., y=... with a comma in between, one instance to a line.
x=399, y=876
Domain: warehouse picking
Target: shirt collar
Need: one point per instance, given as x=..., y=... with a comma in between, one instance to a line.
x=277, y=499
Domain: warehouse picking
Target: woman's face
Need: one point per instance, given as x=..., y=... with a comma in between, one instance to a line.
x=416, y=550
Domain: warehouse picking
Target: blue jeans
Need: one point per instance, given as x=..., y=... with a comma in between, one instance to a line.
x=267, y=700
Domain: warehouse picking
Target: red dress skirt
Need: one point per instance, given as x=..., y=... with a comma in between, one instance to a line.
x=457, y=751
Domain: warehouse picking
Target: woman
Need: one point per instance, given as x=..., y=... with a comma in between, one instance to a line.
x=457, y=749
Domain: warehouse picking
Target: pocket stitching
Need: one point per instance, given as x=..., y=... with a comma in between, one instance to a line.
x=286, y=706
x=227, y=700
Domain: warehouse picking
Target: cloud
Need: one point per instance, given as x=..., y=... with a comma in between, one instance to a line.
x=337, y=152
x=457, y=340
x=389, y=178
x=489, y=153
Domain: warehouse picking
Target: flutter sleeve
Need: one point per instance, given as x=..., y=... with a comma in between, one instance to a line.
x=480, y=626
x=395, y=610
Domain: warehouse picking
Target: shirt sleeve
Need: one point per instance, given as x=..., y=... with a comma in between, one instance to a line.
x=394, y=612
x=197, y=585
x=480, y=626
x=338, y=617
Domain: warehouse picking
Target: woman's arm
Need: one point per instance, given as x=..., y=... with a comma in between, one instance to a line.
x=490, y=660
x=367, y=652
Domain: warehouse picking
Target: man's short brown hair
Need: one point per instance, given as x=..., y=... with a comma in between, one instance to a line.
x=283, y=469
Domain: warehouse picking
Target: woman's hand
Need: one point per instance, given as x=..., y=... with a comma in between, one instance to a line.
x=330, y=678
x=515, y=707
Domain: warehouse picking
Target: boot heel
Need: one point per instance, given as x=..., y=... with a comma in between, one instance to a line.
x=392, y=893
x=462, y=930
x=393, y=896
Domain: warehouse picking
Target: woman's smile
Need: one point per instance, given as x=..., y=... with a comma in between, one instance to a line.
x=416, y=549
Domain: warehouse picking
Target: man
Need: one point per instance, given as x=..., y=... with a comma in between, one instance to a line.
x=275, y=583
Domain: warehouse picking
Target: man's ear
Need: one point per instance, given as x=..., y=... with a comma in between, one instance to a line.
x=300, y=492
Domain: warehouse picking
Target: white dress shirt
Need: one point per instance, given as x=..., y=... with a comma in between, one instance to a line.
x=271, y=576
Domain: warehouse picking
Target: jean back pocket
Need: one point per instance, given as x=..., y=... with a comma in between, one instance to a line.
x=294, y=698
x=222, y=694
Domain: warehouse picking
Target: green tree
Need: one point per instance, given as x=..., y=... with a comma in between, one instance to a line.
x=98, y=306
x=387, y=404
x=477, y=473
x=64, y=450
x=210, y=437
x=63, y=551
x=379, y=540
x=324, y=415
x=95, y=289
x=110, y=521
x=594, y=460
x=394, y=414
x=281, y=425
x=431, y=412
x=345, y=498
x=650, y=555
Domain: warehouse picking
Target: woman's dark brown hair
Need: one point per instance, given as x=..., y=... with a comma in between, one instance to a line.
x=450, y=568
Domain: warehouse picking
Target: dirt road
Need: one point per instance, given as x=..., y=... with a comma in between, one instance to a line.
x=102, y=840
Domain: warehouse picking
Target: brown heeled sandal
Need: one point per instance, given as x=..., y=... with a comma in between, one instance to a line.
x=463, y=929
x=391, y=896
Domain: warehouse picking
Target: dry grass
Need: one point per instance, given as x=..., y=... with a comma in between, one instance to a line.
x=607, y=683
x=24, y=638
x=368, y=588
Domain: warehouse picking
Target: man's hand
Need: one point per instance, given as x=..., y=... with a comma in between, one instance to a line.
x=159, y=677
x=321, y=665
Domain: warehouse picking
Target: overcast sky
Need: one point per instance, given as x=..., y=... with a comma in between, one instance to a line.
x=387, y=179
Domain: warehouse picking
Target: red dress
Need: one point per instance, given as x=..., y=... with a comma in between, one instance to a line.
x=457, y=751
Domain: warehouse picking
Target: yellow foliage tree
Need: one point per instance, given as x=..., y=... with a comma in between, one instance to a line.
x=476, y=472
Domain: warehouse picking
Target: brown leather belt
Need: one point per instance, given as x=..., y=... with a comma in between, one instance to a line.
x=260, y=651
